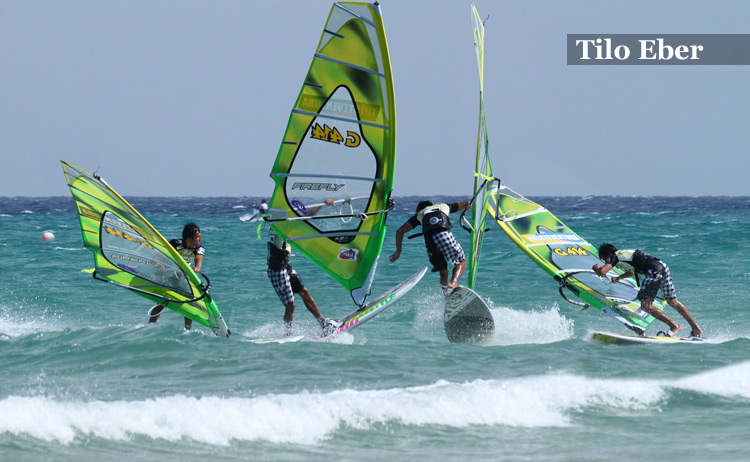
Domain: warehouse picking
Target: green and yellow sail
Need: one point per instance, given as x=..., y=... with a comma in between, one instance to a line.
x=334, y=170
x=130, y=253
x=563, y=254
x=567, y=257
x=483, y=179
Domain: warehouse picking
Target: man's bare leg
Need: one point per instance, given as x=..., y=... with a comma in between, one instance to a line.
x=288, y=317
x=682, y=309
x=647, y=306
x=458, y=270
x=311, y=306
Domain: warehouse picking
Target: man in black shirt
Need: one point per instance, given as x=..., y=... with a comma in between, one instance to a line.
x=441, y=244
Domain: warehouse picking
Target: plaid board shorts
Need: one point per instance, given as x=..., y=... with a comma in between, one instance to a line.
x=450, y=248
x=654, y=281
x=286, y=282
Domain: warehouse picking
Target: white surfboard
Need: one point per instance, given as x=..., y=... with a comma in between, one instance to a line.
x=375, y=307
x=467, y=317
x=621, y=339
x=285, y=339
x=248, y=217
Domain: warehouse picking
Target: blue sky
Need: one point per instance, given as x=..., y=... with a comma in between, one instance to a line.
x=191, y=98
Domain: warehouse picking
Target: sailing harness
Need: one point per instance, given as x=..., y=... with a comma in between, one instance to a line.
x=435, y=218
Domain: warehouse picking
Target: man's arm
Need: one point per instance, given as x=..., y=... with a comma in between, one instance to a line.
x=403, y=229
x=602, y=270
x=198, y=263
x=628, y=274
x=459, y=206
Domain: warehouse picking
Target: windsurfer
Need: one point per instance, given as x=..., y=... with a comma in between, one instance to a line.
x=192, y=252
x=441, y=244
x=657, y=276
x=287, y=282
x=261, y=208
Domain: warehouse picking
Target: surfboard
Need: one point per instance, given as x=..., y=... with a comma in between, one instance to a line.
x=248, y=217
x=620, y=339
x=285, y=339
x=467, y=317
x=360, y=316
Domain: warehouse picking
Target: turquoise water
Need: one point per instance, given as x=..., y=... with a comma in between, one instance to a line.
x=85, y=378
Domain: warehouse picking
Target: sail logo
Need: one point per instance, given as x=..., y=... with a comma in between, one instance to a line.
x=552, y=237
x=575, y=251
x=348, y=254
x=127, y=237
x=317, y=186
x=109, y=218
x=332, y=135
x=339, y=107
x=299, y=206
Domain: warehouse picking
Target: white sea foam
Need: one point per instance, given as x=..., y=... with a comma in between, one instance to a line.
x=310, y=418
x=303, y=418
x=519, y=327
x=13, y=325
x=72, y=249
x=513, y=326
x=730, y=381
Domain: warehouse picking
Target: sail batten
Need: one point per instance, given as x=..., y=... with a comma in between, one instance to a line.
x=348, y=64
x=336, y=164
x=318, y=236
x=318, y=175
x=333, y=33
x=358, y=16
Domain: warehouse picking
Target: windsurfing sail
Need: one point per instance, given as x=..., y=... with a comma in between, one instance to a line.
x=567, y=257
x=334, y=170
x=130, y=253
x=558, y=250
x=483, y=179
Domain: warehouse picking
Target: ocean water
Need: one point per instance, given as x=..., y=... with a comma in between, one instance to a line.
x=85, y=378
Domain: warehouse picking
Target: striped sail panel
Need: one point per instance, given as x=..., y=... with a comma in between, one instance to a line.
x=130, y=253
x=334, y=170
x=563, y=254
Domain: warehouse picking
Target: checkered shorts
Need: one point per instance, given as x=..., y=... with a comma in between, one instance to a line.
x=448, y=245
x=656, y=280
x=286, y=282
